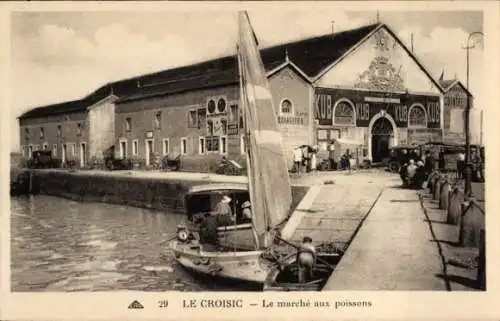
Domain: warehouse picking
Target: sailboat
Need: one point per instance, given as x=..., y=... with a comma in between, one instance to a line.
x=268, y=188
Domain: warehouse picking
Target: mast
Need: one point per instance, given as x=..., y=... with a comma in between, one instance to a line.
x=246, y=139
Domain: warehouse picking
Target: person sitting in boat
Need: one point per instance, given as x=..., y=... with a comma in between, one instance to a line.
x=306, y=258
x=246, y=211
x=223, y=211
x=209, y=239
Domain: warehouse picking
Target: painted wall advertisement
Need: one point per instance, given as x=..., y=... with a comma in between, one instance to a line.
x=367, y=104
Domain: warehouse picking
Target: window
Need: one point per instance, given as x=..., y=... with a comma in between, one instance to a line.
x=166, y=146
x=30, y=151
x=202, y=117
x=192, y=119
x=210, y=128
x=184, y=146
x=158, y=120
x=73, y=150
x=135, y=147
x=45, y=146
x=42, y=132
x=59, y=130
x=128, y=124
x=286, y=106
x=344, y=114
x=221, y=105
x=211, y=106
x=223, y=124
x=78, y=129
x=212, y=144
x=233, y=116
x=123, y=148
x=54, y=150
x=242, y=123
x=417, y=117
x=223, y=145
x=26, y=133
x=201, y=145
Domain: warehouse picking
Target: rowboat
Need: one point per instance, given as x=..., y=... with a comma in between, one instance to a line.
x=285, y=277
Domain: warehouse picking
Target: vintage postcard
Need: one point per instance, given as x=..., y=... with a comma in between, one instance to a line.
x=244, y=160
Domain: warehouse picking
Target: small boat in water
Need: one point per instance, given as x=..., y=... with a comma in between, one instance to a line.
x=235, y=255
x=284, y=276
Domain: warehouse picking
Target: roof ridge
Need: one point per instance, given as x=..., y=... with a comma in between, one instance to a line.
x=271, y=55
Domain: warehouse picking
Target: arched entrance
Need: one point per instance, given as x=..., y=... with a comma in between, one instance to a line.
x=382, y=133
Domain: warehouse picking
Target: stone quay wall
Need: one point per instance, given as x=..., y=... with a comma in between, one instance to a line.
x=153, y=193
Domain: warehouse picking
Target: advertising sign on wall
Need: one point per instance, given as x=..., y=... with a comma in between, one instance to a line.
x=367, y=104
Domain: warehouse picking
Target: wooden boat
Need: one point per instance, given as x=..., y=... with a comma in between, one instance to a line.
x=236, y=248
x=268, y=188
x=285, y=275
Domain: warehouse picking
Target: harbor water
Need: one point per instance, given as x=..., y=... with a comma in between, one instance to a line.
x=63, y=245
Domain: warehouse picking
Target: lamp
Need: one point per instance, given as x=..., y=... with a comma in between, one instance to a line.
x=468, y=169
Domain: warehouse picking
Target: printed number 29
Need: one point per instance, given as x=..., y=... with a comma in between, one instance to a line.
x=163, y=303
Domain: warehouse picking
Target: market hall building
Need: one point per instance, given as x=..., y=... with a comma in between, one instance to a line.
x=360, y=85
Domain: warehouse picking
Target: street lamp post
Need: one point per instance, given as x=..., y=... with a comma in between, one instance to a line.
x=468, y=169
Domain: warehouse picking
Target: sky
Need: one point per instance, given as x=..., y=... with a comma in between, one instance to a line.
x=58, y=56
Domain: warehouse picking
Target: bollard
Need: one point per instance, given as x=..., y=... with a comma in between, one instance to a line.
x=444, y=196
x=481, y=269
x=455, y=206
x=431, y=182
x=472, y=220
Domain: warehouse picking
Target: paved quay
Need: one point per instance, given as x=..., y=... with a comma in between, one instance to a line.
x=393, y=249
x=331, y=213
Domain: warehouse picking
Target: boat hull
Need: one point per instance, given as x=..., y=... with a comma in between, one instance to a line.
x=243, y=266
x=286, y=279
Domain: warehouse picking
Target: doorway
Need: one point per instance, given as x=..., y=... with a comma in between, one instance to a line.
x=149, y=151
x=83, y=154
x=381, y=139
x=123, y=149
x=63, y=153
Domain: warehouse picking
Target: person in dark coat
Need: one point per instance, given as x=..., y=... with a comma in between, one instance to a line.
x=429, y=163
x=208, y=233
x=419, y=178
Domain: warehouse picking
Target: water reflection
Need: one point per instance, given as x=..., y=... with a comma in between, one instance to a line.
x=61, y=245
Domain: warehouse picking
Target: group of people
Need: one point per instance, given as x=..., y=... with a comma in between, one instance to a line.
x=305, y=157
x=415, y=168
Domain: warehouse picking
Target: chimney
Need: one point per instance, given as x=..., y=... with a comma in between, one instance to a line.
x=333, y=28
x=412, y=42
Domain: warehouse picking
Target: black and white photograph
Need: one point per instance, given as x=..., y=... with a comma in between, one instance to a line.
x=255, y=150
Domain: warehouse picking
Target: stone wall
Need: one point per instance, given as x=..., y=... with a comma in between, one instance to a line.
x=158, y=194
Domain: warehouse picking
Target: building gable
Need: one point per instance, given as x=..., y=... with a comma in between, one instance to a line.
x=380, y=62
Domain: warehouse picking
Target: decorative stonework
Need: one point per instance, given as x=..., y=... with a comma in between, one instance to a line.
x=381, y=75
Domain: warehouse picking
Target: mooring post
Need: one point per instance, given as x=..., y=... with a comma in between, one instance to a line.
x=481, y=269
x=463, y=212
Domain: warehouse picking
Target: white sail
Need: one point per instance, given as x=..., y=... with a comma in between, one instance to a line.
x=269, y=183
